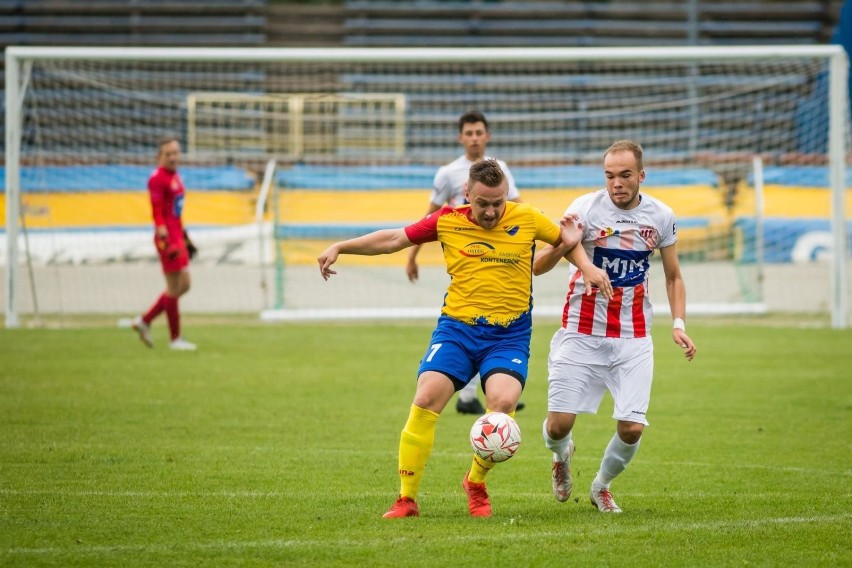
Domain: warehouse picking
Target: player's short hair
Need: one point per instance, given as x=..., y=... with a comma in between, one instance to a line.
x=168, y=139
x=487, y=172
x=472, y=117
x=627, y=146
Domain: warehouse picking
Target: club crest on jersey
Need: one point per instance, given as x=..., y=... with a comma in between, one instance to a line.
x=473, y=250
x=649, y=235
x=512, y=230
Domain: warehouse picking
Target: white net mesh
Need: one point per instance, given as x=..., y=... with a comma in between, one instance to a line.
x=357, y=144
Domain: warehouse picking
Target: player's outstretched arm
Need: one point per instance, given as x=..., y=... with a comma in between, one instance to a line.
x=384, y=241
x=676, y=292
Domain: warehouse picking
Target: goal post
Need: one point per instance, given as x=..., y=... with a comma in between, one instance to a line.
x=357, y=134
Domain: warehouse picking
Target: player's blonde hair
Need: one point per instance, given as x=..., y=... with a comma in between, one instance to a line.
x=627, y=146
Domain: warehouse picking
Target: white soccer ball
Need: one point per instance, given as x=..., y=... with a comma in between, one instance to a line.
x=495, y=437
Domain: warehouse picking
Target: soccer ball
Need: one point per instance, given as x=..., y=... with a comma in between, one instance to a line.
x=495, y=437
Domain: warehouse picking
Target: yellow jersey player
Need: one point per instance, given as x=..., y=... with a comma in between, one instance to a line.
x=485, y=323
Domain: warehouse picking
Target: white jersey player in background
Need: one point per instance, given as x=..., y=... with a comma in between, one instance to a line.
x=448, y=189
x=606, y=344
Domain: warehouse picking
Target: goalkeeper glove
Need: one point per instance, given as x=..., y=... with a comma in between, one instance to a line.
x=190, y=247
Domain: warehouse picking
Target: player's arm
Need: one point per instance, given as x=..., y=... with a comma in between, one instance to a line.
x=570, y=235
x=157, y=192
x=676, y=292
x=548, y=257
x=384, y=241
x=570, y=247
x=411, y=268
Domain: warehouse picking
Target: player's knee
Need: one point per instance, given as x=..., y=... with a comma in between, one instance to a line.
x=630, y=432
x=557, y=427
x=503, y=402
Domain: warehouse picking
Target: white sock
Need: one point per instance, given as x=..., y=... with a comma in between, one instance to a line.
x=558, y=447
x=468, y=393
x=616, y=457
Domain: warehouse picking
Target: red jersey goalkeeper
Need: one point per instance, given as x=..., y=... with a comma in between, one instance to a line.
x=167, y=194
x=173, y=245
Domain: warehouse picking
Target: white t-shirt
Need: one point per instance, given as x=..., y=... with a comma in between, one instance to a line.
x=448, y=185
x=620, y=242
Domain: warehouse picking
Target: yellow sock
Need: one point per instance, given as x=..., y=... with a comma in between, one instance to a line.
x=415, y=445
x=480, y=468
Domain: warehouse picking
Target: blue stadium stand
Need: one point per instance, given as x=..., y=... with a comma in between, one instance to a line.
x=58, y=179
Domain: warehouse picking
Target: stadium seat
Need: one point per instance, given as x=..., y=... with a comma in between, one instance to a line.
x=517, y=23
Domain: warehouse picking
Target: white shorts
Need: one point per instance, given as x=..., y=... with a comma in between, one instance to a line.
x=581, y=367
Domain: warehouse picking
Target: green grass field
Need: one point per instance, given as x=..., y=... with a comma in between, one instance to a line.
x=276, y=445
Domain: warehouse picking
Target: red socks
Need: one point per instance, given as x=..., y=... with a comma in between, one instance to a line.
x=155, y=310
x=169, y=305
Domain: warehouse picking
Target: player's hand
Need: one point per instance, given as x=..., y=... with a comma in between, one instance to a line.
x=682, y=339
x=172, y=252
x=325, y=260
x=412, y=270
x=191, y=249
x=571, y=230
x=595, y=277
x=161, y=232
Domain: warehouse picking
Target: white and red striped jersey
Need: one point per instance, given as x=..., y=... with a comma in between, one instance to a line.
x=620, y=242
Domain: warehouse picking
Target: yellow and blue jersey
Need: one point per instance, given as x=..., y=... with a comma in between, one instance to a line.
x=490, y=269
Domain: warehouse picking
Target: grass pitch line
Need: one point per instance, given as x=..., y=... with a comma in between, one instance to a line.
x=591, y=530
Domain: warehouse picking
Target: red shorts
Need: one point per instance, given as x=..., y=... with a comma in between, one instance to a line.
x=173, y=262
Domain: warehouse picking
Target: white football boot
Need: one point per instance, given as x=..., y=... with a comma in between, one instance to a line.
x=563, y=482
x=602, y=499
x=181, y=344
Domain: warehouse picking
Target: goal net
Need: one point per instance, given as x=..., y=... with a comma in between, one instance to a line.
x=746, y=144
